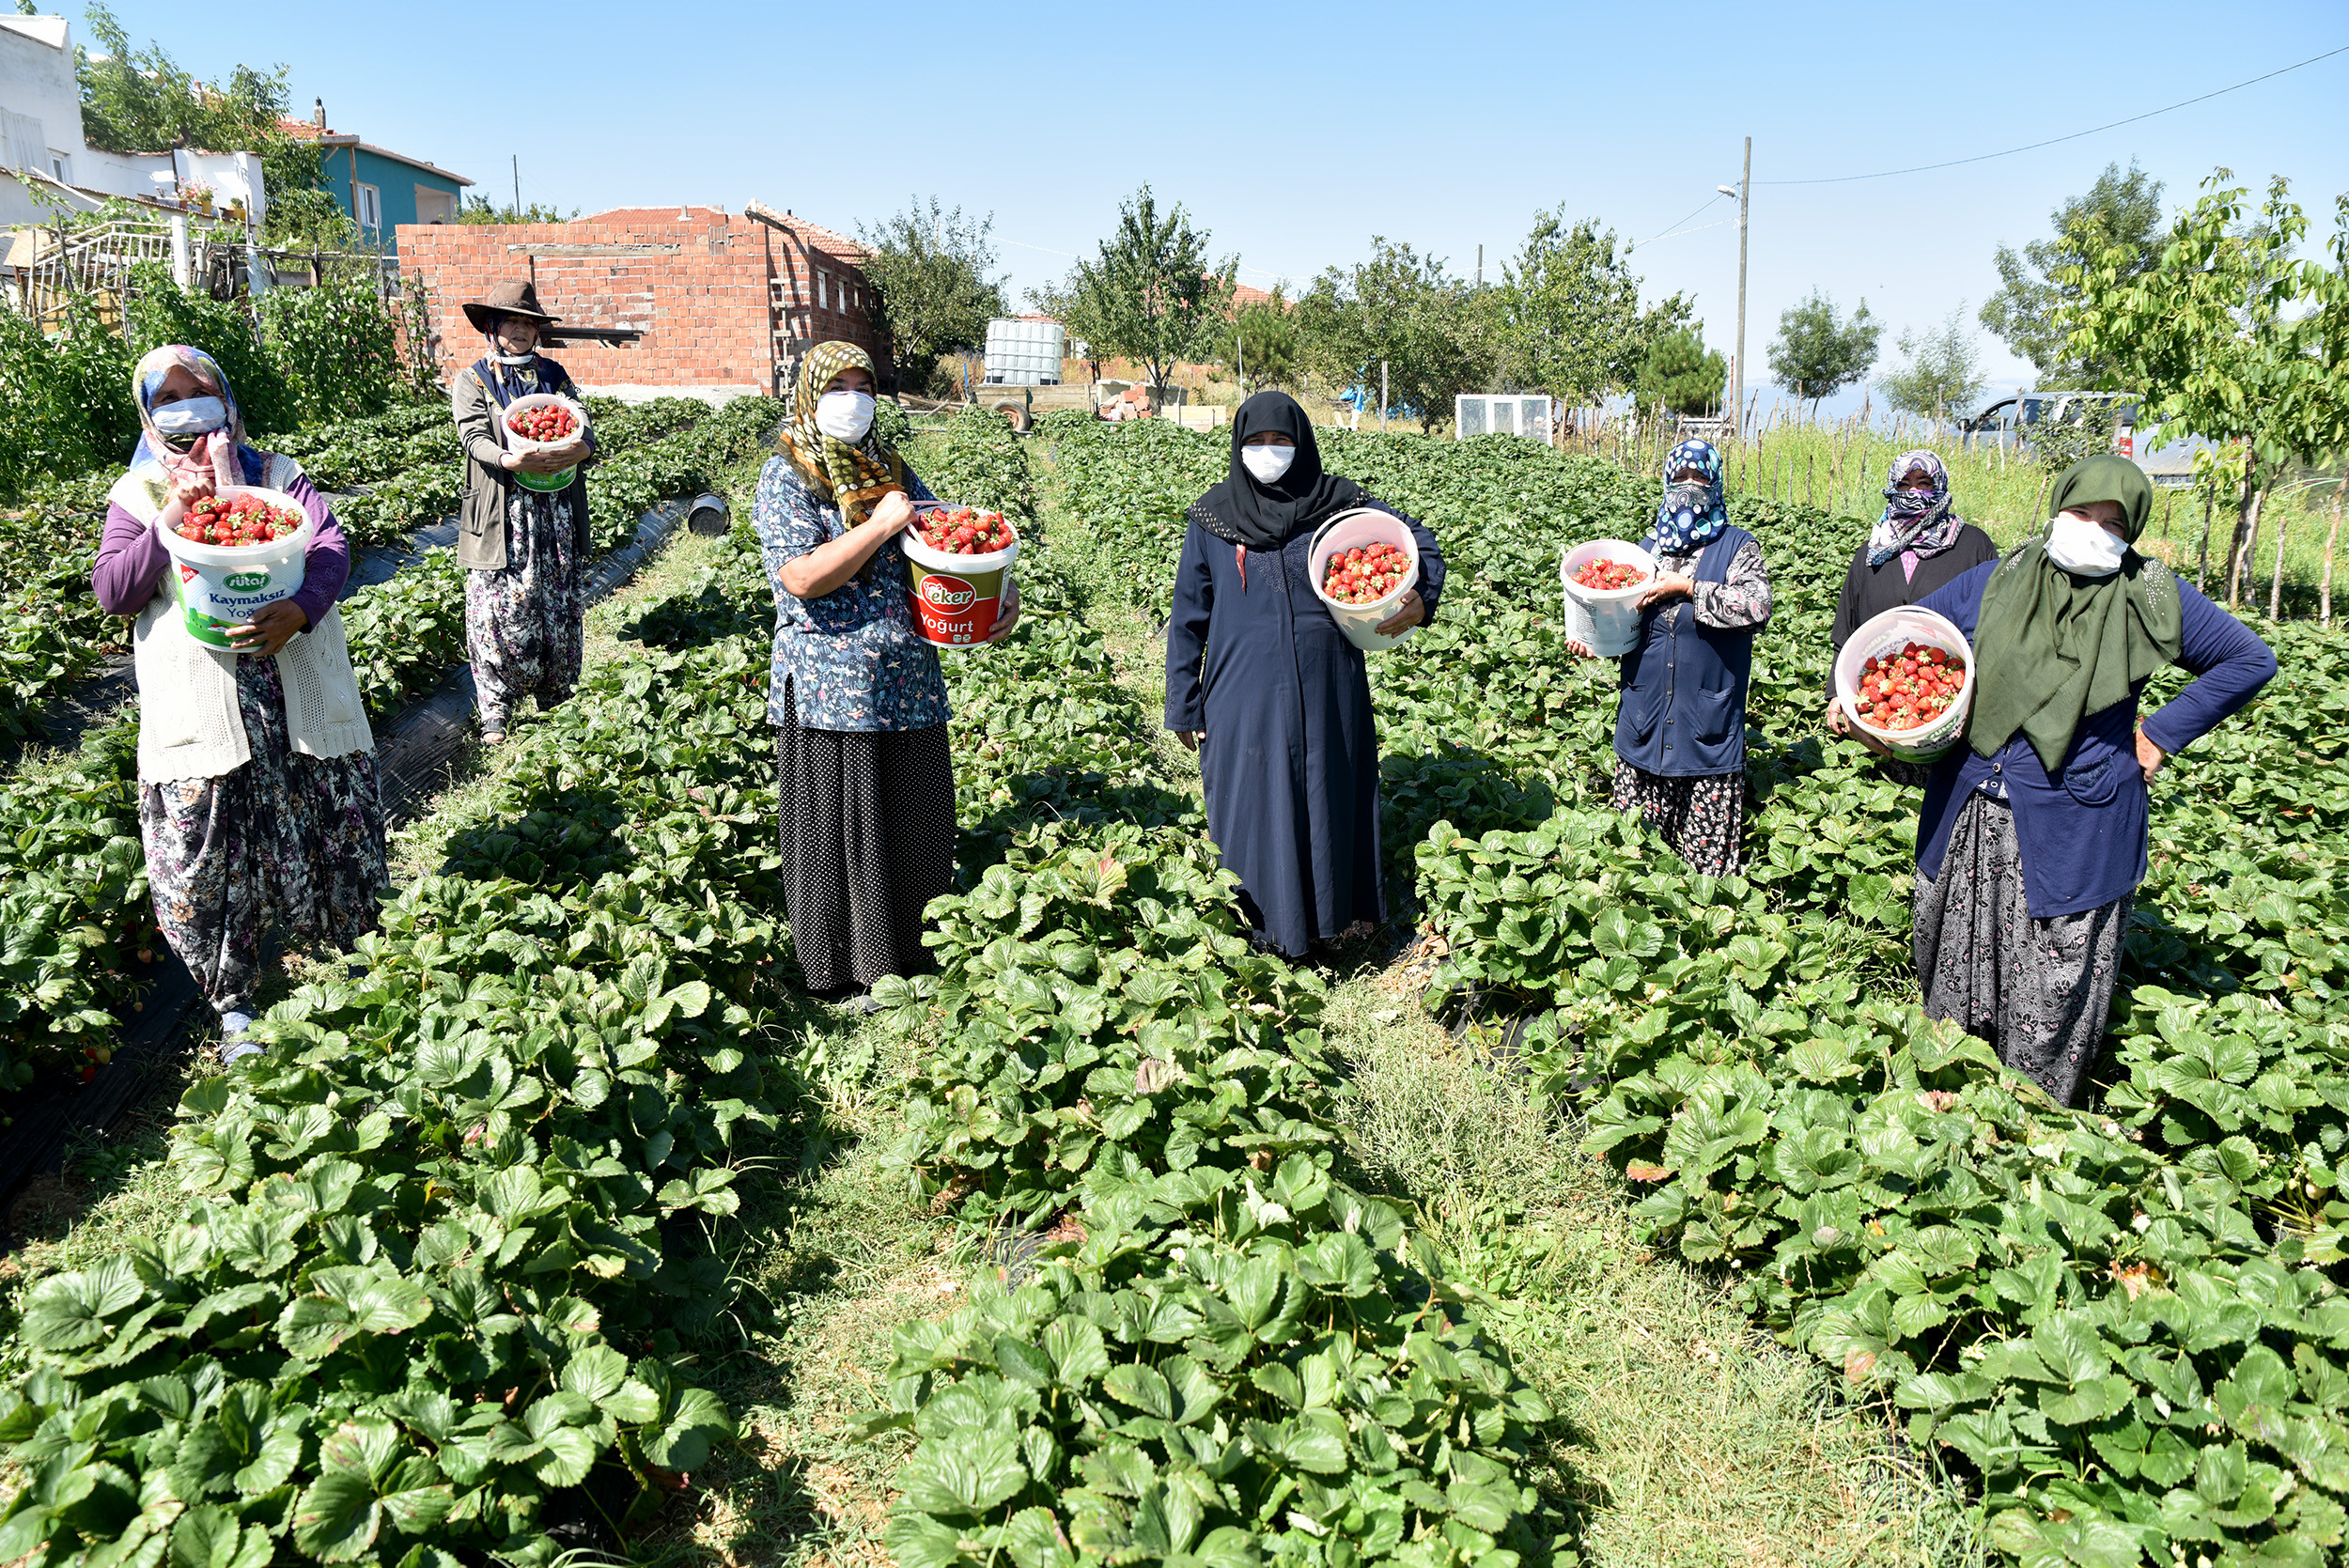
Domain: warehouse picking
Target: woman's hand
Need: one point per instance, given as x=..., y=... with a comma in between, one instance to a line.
x=271, y=629
x=2149, y=756
x=1410, y=612
x=1008, y=616
x=1582, y=650
x=211, y=465
x=893, y=514
x=1667, y=587
x=1835, y=718
x=1191, y=739
x=547, y=459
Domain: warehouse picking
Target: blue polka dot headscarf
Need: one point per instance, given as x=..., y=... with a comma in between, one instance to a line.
x=1680, y=530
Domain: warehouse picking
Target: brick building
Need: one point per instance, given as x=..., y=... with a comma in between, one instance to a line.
x=721, y=304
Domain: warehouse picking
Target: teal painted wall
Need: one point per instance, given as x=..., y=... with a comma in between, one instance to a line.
x=393, y=180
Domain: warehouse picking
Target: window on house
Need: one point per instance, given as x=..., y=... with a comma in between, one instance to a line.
x=370, y=206
x=434, y=206
x=823, y=289
x=61, y=166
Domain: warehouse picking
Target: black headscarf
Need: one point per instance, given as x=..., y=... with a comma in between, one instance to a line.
x=1240, y=511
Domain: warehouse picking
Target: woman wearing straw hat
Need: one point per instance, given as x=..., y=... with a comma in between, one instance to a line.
x=1264, y=685
x=1918, y=546
x=867, y=788
x=1680, y=724
x=257, y=798
x=524, y=548
x=2031, y=839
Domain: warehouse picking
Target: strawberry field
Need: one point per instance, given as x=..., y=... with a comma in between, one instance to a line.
x=454, y=1262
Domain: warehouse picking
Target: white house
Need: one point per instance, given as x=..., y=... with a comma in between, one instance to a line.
x=41, y=131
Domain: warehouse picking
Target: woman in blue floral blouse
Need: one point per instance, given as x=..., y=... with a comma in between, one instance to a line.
x=856, y=696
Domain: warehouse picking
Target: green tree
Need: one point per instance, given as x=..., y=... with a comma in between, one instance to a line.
x=2229, y=336
x=1260, y=344
x=1150, y=295
x=1429, y=329
x=1567, y=316
x=1943, y=376
x=1817, y=352
x=931, y=268
x=477, y=210
x=2121, y=215
x=1681, y=374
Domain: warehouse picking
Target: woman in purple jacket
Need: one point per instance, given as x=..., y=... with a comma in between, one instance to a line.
x=2031, y=839
x=257, y=798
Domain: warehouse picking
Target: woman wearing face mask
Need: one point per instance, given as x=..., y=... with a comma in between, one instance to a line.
x=1919, y=545
x=2031, y=838
x=524, y=550
x=258, y=800
x=1680, y=724
x=1263, y=685
x=856, y=695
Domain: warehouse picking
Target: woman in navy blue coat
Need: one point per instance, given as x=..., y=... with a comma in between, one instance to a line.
x=1680, y=723
x=1264, y=687
x=2031, y=839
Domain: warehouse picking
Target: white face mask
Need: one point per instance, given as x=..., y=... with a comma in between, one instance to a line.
x=1267, y=463
x=192, y=417
x=2079, y=546
x=845, y=415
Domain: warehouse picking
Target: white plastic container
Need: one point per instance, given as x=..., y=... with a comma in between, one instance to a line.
x=515, y=443
x=1605, y=620
x=956, y=598
x=220, y=587
x=1889, y=633
x=1365, y=525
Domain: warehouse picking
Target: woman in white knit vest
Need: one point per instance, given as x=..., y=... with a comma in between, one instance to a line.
x=257, y=798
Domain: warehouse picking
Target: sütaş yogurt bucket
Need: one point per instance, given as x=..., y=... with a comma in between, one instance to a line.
x=220, y=587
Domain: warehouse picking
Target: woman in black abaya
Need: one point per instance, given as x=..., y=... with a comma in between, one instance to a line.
x=1264, y=687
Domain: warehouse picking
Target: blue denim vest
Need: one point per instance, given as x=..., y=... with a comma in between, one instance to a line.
x=1683, y=713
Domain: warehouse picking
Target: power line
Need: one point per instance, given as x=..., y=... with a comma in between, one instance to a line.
x=1677, y=222
x=1986, y=157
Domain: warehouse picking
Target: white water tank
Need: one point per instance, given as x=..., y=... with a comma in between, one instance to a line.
x=1025, y=354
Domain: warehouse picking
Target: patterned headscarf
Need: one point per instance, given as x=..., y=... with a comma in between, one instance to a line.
x=147, y=379
x=851, y=475
x=1914, y=520
x=1678, y=532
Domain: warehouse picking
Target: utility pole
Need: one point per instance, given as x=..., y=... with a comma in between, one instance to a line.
x=518, y=190
x=1480, y=267
x=1745, y=199
x=1382, y=395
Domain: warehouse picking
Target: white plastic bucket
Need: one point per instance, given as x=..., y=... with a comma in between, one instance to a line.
x=514, y=443
x=219, y=586
x=1365, y=525
x=1889, y=633
x=955, y=598
x=1605, y=620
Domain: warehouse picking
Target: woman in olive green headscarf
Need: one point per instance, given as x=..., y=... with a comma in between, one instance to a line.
x=2031, y=839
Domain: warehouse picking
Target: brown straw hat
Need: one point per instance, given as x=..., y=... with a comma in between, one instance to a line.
x=517, y=298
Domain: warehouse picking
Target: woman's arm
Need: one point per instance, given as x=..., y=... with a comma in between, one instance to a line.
x=131, y=561
x=1743, y=601
x=476, y=421
x=804, y=559
x=1187, y=635
x=326, y=565
x=2229, y=662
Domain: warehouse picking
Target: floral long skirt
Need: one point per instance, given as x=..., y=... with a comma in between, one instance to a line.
x=285, y=840
x=1702, y=819
x=2038, y=990
x=526, y=622
x=868, y=840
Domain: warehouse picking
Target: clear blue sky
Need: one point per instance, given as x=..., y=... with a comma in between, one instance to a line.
x=1294, y=132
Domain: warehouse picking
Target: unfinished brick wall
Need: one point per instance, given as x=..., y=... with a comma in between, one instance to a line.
x=722, y=301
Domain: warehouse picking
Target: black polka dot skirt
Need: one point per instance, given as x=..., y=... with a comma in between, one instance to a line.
x=868, y=840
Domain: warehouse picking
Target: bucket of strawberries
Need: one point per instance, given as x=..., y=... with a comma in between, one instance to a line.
x=1363, y=562
x=1603, y=581
x=1906, y=677
x=233, y=553
x=539, y=420
x=960, y=559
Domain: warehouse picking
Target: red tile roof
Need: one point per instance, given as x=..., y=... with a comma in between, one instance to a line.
x=679, y=212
